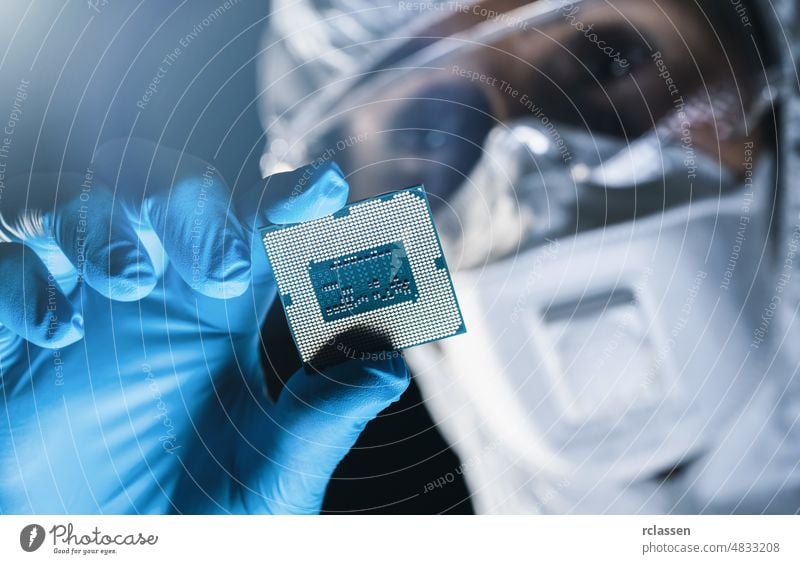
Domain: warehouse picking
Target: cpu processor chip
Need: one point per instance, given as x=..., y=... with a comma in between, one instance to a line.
x=369, y=278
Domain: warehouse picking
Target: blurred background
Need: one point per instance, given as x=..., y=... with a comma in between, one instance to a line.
x=610, y=180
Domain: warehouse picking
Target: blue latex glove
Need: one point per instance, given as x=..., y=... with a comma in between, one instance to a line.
x=130, y=346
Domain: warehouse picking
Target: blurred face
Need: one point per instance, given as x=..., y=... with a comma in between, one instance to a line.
x=615, y=68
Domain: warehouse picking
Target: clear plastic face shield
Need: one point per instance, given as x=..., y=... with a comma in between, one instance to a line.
x=591, y=166
x=561, y=116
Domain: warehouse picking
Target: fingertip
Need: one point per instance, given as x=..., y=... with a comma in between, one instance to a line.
x=355, y=388
x=130, y=275
x=99, y=239
x=32, y=304
x=229, y=278
x=310, y=192
x=384, y=377
x=204, y=241
x=224, y=290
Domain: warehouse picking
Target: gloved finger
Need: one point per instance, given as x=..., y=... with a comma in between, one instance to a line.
x=99, y=240
x=318, y=418
x=187, y=204
x=204, y=242
x=32, y=305
x=306, y=193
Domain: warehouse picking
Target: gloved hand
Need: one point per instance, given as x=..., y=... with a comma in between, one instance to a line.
x=130, y=346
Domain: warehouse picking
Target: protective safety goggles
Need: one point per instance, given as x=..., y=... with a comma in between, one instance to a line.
x=610, y=71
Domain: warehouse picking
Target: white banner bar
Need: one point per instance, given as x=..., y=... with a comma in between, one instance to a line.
x=392, y=539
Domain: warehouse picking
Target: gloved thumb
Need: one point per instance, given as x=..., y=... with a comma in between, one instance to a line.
x=318, y=418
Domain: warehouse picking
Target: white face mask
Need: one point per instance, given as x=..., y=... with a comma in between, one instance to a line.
x=598, y=358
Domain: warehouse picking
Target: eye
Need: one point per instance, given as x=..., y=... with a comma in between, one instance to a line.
x=615, y=58
x=594, y=86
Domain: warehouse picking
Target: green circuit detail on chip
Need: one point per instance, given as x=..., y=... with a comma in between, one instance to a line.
x=367, y=280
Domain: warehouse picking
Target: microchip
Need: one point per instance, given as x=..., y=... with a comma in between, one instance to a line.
x=368, y=278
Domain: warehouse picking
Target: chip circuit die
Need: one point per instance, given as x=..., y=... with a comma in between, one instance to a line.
x=370, y=277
